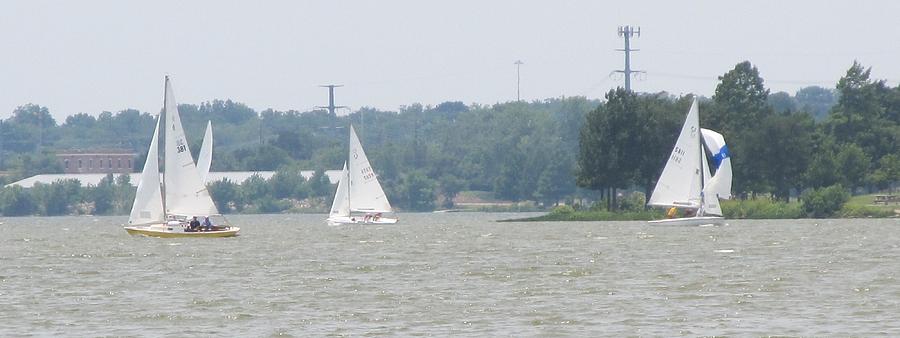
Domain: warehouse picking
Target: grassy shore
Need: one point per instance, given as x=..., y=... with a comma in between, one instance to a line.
x=857, y=207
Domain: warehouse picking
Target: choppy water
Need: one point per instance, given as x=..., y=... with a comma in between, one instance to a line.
x=438, y=274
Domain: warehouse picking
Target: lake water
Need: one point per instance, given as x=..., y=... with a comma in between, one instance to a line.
x=455, y=273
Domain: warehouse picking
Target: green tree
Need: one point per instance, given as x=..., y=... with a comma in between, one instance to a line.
x=104, y=196
x=608, y=139
x=824, y=202
x=740, y=101
x=226, y=195
x=816, y=101
x=15, y=201
x=416, y=192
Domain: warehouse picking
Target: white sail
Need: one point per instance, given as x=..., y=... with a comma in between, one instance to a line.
x=366, y=194
x=204, y=160
x=148, y=205
x=710, y=201
x=186, y=195
x=341, y=205
x=720, y=184
x=680, y=182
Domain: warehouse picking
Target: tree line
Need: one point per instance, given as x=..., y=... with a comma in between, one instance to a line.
x=545, y=151
x=780, y=145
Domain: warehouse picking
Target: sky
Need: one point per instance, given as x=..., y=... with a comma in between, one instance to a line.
x=93, y=56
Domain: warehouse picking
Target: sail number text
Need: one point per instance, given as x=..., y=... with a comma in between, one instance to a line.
x=677, y=154
x=368, y=173
x=180, y=147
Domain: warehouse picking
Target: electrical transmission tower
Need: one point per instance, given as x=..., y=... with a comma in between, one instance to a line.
x=628, y=32
x=331, y=107
x=518, y=63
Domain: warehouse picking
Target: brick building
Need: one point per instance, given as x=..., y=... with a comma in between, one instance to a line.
x=96, y=161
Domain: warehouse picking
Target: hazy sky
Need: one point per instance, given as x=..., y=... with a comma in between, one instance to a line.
x=91, y=56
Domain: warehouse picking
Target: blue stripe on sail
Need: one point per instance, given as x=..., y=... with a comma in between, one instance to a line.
x=721, y=156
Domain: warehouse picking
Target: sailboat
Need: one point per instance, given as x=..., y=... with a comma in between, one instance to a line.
x=686, y=182
x=162, y=207
x=358, y=190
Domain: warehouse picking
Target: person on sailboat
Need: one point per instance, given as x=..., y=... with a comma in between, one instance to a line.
x=195, y=224
x=671, y=213
x=690, y=212
x=207, y=223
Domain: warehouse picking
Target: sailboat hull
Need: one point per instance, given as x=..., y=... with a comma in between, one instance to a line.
x=359, y=220
x=168, y=232
x=689, y=221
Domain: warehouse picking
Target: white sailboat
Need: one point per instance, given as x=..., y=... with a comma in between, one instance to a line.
x=161, y=208
x=686, y=183
x=359, y=191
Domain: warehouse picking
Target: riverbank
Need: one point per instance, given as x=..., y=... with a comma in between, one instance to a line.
x=862, y=206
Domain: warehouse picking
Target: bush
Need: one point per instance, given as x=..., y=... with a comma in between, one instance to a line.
x=563, y=209
x=760, y=209
x=858, y=211
x=824, y=202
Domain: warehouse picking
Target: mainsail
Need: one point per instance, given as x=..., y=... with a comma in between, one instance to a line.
x=186, y=195
x=366, y=194
x=680, y=183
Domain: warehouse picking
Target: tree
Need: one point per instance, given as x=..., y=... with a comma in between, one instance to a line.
x=226, y=195
x=104, y=196
x=608, y=139
x=887, y=172
x=824, y=202
x=782, y=102
x=416, y=192
x=319, y=184
x=777, y=142
x=449, y=186
x=288, y=183
x=815, y=100
x=741, y=101
x=15, y=201
x=853, y=163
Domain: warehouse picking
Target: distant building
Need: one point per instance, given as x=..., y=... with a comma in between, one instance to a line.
x=97, y=161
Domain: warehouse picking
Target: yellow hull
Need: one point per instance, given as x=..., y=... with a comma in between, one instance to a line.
x=231, y=231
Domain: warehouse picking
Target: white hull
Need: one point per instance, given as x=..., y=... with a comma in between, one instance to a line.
x=689, y=221
x=165, y=231
x=359, y=220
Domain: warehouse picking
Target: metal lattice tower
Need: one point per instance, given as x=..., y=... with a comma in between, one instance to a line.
x=331, y=107
x=628, y=32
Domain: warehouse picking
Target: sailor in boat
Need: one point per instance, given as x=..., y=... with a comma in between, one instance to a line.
x=671, y=213
x=690, y=212
x=195, y=224
x=207, y=224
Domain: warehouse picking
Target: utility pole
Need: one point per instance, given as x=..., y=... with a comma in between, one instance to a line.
x=627, y=32
x=331, y=107
x=518, y=63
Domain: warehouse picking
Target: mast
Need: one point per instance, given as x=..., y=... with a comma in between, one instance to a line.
x=702, y=158
x=349, y=180
x=163, y=188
